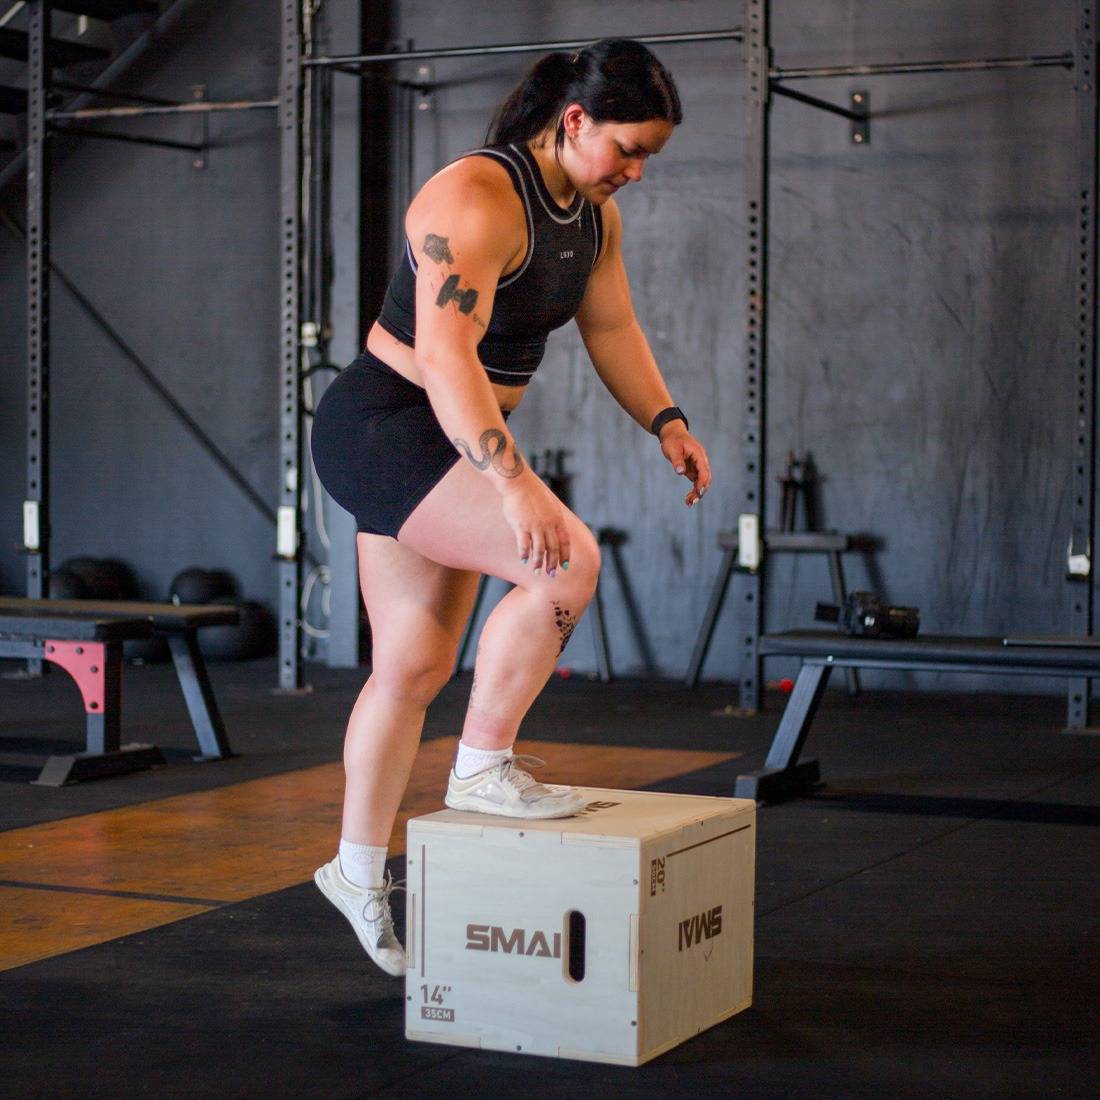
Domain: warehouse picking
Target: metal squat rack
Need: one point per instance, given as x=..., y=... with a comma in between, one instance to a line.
x=765, y=79
x=302, y=290
x=300, y=278
x=43, y=54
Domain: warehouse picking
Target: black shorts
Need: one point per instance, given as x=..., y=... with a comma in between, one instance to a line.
x=377, y=445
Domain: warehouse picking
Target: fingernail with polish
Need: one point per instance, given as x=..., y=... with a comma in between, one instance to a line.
x=679, y=469
x=551, y=572
x=565, y=565
x=538, y=570
x=523, y=561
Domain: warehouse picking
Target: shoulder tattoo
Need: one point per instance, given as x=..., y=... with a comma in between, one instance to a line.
x=437, y=248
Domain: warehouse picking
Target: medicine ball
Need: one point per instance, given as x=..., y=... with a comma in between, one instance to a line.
x=103, y=578
x=85, y=569
x=256, y=635
x=225, y=583
x=119, y=579
x=196, y=585
x=114, y=580
x=64, y=584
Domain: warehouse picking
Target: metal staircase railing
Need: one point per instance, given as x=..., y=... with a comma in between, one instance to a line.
x=65, y=53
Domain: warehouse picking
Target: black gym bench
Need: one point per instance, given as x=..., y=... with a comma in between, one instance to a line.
x=785, y=776
x=85, y=638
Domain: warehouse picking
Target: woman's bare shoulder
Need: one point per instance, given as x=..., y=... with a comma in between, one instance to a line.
x=474, y=198
x=476, y=180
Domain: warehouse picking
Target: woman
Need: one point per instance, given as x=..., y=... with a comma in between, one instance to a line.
x=504, y=245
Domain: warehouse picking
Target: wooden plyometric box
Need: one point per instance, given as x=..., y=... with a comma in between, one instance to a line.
x=609, y=936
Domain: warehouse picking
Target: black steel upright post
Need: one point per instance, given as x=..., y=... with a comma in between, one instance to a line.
x=36, y=507
x=320, y=227
x=751, y=585
x=1084, y=533
x=290, y=526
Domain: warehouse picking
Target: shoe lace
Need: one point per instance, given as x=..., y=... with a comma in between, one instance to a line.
x=377, y=911
x=519, y=778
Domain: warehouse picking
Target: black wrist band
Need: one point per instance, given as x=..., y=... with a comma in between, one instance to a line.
x=664, y=416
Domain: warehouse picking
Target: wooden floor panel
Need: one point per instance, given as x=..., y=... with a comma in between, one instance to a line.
x=39, y=923
x=234, y=843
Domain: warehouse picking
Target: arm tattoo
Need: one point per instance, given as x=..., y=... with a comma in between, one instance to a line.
x=436, y=248
x=494, y=444
x=464, y=299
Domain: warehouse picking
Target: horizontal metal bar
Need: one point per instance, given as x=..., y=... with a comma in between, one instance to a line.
x=134, y=139
x=821, y=104
x=173, y=19
x=884, y=664
x=736, y=34
x=1045, y=641
x=20, y=648
x=106, y=10
x=110, y=93
x=1061, y=60
x=349, y=69
x=199, y=107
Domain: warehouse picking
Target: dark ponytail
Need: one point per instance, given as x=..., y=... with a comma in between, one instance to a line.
x=614, y=80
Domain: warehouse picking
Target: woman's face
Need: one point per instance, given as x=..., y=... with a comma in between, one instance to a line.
x=601, y=157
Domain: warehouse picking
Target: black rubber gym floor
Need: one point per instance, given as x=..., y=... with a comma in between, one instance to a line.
x=927, y=925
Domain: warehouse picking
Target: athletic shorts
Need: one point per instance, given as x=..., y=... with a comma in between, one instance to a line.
x=377, y=445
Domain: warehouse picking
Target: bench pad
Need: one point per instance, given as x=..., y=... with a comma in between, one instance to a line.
x=69, y=629
x=1053, y=653
x=165, y=617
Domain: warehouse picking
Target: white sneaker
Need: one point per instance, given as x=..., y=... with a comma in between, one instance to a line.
x=508, y=791
x=368, y=912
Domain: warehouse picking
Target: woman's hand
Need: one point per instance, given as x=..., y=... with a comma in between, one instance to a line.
x=687, y=456
x=537, y=519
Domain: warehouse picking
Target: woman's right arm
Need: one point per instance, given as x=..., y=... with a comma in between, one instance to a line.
x=463, y=238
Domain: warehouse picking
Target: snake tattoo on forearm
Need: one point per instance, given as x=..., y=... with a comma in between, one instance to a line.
x=494, y=447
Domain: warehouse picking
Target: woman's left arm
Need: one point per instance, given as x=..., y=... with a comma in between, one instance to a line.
x=623, y=360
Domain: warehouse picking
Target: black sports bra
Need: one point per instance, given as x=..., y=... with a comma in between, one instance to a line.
x=542, y=294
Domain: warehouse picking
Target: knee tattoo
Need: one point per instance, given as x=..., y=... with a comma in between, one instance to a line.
x=566, y=621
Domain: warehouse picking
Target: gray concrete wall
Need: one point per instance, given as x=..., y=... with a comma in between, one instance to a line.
x=922, y=323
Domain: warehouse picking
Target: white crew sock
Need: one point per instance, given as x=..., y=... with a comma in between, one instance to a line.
x=362, y=864
x=471, y=761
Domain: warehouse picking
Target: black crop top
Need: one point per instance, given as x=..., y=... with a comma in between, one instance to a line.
x=542, y=294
